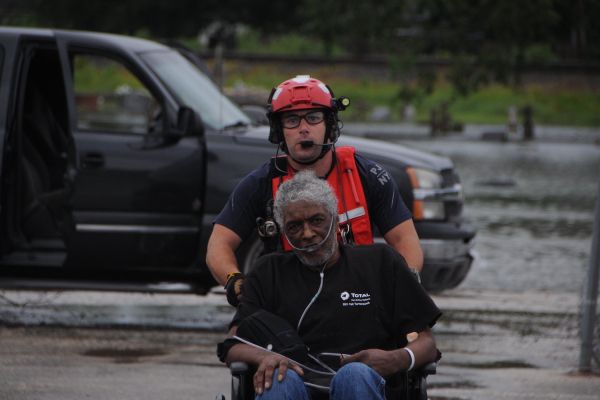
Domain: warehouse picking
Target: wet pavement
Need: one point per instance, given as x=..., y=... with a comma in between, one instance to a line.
x=495, y=345
x=54, y=363
x=500, y=345
x=92, y=309
x=509, y=331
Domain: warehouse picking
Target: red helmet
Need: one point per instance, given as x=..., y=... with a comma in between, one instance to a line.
x=300, y=93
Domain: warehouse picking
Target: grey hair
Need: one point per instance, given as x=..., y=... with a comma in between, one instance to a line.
x=305, y=185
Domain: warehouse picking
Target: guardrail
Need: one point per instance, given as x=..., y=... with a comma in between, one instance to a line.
x=566, y=66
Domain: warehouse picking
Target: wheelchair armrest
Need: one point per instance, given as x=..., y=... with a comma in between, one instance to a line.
x=238, y=368
x=428, y=369
x=241, y=381
x=415, y=381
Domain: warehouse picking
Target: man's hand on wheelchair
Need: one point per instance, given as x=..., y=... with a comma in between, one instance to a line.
x=385, y=363
x=233, y=288
x=263, y=378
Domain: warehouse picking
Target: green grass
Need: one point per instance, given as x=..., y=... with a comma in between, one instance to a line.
x=101, y=75
x=552, y=105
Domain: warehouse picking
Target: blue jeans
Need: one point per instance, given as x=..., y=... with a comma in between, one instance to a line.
x=354, y=381
x=290, y=388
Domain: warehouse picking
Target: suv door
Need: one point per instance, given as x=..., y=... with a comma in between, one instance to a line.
x=38, y=156
x=137, y=197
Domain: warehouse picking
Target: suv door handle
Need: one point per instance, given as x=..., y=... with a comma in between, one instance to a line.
x=92, y=160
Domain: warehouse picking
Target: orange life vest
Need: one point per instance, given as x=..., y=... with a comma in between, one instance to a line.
x=352, y=204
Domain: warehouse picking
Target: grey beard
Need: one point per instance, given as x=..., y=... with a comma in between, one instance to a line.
x=313, y=261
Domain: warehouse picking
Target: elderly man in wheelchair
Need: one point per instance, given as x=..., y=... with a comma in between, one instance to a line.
x=329, y=320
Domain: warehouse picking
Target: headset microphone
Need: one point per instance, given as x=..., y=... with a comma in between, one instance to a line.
x=305, y=144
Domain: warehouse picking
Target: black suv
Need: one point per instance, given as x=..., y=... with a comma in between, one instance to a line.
x=117, y=153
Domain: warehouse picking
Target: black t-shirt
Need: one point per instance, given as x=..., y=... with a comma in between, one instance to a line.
x=250, y=197
x=369, y=299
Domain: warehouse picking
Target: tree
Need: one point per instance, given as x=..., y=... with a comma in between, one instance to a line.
x=155, y=17
x=360, y=27
x=486, y=39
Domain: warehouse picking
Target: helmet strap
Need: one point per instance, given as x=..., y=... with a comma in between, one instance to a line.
x=324, y=150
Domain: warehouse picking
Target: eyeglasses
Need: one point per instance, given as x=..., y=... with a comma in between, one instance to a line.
x=291, y=121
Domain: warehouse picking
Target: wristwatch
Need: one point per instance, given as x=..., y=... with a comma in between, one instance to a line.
x=231, y=275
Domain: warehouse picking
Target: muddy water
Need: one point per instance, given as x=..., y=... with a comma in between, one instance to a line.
x=533, y=206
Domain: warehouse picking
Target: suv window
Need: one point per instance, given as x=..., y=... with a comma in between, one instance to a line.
x=194, y=89
x=109, y=97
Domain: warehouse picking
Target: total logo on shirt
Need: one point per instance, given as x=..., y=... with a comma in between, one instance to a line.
x=351, y=299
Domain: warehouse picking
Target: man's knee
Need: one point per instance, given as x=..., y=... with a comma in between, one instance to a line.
x=291, y=387
x=357, y=379
x=355, y=370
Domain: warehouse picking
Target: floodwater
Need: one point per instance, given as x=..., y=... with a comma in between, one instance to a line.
x=533, y=206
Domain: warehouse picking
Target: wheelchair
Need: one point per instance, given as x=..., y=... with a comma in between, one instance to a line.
x=410, y=385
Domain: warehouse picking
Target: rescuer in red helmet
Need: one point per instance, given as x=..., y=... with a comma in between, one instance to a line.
x=304, y=123
x=318, y=105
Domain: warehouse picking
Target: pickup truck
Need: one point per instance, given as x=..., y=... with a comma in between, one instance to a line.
x=116, y=153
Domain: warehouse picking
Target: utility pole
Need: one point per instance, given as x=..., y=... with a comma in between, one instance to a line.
x=590, y=297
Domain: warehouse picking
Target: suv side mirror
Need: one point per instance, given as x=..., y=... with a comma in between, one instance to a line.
x=188, y=123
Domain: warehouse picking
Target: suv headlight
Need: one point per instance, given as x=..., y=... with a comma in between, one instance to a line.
x=428, y=194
